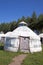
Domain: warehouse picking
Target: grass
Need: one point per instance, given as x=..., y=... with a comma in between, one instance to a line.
x=5, y=56
x=31, y=59
x=34, y=59
x=1, y=46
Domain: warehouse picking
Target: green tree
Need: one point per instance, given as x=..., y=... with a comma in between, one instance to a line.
x=4, y=27
x=34, y=16
x=12, y=25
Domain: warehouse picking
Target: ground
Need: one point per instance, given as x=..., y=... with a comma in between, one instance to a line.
x=31, y=59
x=18, y=60
x=5, y=56
x=34, y=59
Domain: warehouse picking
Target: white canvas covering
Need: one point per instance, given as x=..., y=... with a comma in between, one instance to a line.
x=25, y=31
x=11, y=44
x=1, y=37
x=41, y=35
x=8, y=34
x=23, y=22
x=25, y=34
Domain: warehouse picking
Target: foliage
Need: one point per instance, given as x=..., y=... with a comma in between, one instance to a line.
x=12, y=25
x=34, y=22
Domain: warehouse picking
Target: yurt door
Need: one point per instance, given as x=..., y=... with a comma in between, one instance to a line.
x=24, y=44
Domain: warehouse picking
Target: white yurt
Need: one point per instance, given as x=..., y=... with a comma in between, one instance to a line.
x=41, y=37
x=2, y=37
x=23, y=39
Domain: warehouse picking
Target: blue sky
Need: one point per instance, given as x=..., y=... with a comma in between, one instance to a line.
x=14, y=9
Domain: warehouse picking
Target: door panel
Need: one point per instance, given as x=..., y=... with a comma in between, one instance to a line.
x=24, y=43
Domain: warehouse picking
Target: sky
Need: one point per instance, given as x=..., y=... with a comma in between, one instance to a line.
x=14, y=9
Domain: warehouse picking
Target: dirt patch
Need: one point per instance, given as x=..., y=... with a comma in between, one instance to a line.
x=18, y=60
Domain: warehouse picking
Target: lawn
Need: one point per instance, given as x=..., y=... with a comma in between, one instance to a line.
x=34, y=59
x=5, y=56
x=31, y=59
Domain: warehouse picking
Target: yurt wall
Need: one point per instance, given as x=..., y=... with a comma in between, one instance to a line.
x=35, y=45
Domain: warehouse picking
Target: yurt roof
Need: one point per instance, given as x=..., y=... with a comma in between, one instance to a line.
x=8, y=34
x=41, y=35
x=25, y=31
x=22, y=31
x=22, y=22
x=2, y=35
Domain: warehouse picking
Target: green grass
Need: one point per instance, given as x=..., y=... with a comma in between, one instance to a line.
x=1, y=46
x=5, y=56
x=34, y=59
x=31, y=59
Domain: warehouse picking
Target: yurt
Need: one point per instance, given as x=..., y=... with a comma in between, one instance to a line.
x=2, y=37
x=41, y=37
x=23, y=39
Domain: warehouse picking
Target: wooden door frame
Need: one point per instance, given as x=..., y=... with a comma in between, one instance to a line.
x=20, y=40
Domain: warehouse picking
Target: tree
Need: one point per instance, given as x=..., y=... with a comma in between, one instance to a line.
x=28, y=20
x=19, y=20
x=40, y=22
x=4, y=27
x=34, y=16
x=40, y=18
x=34, y=20
x=12, y=25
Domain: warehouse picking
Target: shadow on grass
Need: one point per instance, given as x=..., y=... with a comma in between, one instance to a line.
x=1, y=47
